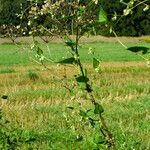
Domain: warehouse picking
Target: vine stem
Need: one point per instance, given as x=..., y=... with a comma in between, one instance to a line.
x=104, y=129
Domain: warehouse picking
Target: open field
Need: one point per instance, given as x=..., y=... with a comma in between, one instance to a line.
x=11, y=54
x=36, y=108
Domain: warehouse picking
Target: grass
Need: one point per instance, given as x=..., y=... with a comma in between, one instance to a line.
x=6, y=70
x=36, y=109
x=105, y=51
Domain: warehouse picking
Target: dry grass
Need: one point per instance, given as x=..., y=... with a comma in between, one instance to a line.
x=38, y=104
x=117, y=80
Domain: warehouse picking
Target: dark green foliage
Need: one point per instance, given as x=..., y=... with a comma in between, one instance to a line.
x=82, y=79
x=98, y=109
x=10, y=11
x=136, y=24
x=133, y=25
x=39, y=51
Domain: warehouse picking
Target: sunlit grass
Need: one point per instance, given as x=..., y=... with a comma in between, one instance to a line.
x=38, y=107
x=106, y=51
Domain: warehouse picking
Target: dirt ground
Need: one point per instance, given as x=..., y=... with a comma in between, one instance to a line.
x=83, y=39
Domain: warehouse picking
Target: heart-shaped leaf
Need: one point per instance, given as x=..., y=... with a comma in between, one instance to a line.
x=102, y=16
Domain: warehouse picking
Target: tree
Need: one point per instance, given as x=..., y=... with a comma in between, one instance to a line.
x=133, y=17
x=10, y=22
x=85, y=15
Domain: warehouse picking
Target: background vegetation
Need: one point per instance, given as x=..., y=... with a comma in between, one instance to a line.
x=135, y=24
x=48, y=108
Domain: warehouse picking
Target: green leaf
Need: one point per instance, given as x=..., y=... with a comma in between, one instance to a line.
x=96, y=63
x=102, y=16
x=69, y=42
x=82, y=113
x=98, y=109
x=67, y=61
x=98, y=139
x=82, y=79
x=90, y=112
x=39, y=51
x=80, y=11
x=137, y=49
x=82, y=85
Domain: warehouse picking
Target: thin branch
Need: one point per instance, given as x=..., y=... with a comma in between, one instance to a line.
x=119, y=40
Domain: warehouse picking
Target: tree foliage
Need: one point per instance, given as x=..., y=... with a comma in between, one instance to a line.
x=128, y=17
x=136, y=23
x=11, y=24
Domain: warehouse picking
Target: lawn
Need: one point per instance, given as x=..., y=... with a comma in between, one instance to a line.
x=10, y=54
x=35, y=114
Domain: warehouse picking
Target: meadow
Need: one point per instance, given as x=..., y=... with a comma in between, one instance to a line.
x=36, y=113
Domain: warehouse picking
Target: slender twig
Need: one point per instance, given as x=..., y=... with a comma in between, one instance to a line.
x=119, y=40
x=139, y=4
x=104, y=130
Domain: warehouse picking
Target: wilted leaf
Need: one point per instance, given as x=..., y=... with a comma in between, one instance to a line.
x=67, y=61
x=137, y=49
x=102, y=16
x=98, y=109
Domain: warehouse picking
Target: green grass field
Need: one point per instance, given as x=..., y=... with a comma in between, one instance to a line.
x=36, y=108
x=10, y=54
